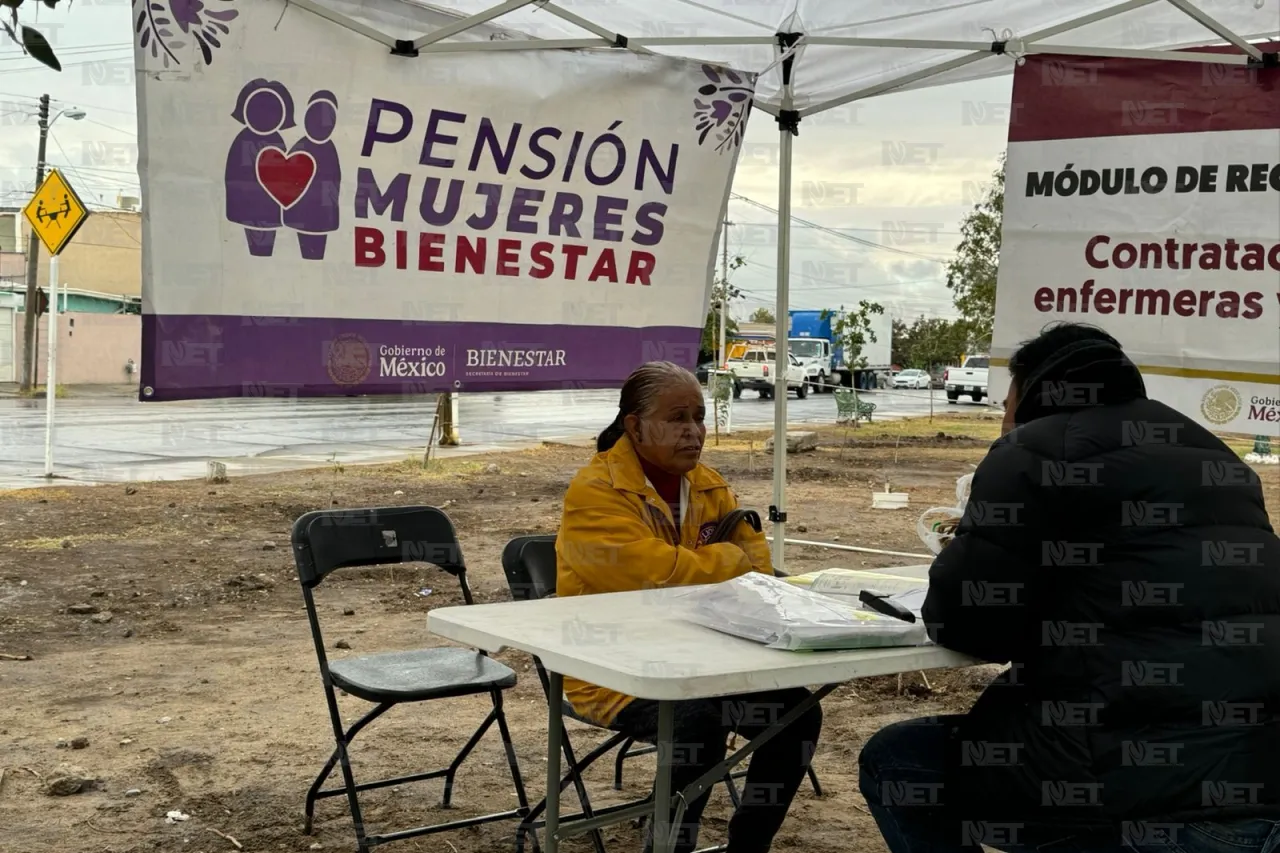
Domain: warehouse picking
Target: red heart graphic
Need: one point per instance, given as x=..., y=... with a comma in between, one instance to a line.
x=285, y=178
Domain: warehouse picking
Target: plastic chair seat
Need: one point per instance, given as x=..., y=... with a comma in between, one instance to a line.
x=435, y=673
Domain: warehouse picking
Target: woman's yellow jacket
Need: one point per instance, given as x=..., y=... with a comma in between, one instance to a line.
x=617, y=535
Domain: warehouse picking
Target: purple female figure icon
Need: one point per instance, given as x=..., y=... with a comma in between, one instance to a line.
x=265, y=108
x=315, y=213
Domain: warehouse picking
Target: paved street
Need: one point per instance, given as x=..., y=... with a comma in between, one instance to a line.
x=108, y=437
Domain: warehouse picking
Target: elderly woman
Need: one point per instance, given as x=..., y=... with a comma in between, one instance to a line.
x=639, y=516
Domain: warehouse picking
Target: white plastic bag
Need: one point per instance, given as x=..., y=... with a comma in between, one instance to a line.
x=926, y=526
x=769, y=610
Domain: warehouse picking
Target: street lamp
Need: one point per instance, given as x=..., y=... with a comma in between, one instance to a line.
x=33, y=248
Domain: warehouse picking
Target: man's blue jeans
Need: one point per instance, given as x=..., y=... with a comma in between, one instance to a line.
x=913, y=754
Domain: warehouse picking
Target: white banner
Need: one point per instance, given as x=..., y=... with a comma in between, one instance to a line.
x=324, y=217
x=1144, y=197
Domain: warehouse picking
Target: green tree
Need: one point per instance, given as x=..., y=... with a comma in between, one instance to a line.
x=710, y=347
x=937, y=342
x=763, y=315
x=722, y=289
x=852, y=330
x=30, y=40
x=900, y=347
x=971, y=275
x=931, y=342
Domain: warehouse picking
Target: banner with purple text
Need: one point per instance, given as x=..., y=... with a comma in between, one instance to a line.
x=322, y=217
x=1143, y=196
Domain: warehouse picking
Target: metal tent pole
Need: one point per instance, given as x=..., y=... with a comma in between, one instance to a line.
x=1024, y=45
x=788, y=124
x=723, y=292
x=467, y=23
x=781, y=361
x=346, y=22
x=1209, y=22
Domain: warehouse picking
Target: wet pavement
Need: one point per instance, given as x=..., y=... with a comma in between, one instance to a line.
x=104, y=436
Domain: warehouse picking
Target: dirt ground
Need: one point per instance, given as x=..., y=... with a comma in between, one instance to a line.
x=165, y=627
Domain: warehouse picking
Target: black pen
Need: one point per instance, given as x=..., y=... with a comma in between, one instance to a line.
x=882, y=604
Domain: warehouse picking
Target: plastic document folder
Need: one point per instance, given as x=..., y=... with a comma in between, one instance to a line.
x=785, y=615
x=847, y=584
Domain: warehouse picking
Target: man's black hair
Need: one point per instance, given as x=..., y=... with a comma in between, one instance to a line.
x=1034, y=354
x=1071, y=366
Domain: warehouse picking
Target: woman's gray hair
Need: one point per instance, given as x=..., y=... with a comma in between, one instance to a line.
x=640, y=394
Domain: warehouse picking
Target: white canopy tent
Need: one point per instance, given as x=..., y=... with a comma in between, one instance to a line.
x=814, y=55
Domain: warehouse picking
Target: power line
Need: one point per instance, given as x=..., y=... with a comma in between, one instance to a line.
x=73, y=51
x=113, y=44
x=106, y=171
x=815, y=226
x=881, y=231
x=814, y=303
x=91, y=185
x=38, y=67
x=77, y=103
x=113, y=127
x=79, y=242
x=80, y=176
x=834, y=285
x=102, y=124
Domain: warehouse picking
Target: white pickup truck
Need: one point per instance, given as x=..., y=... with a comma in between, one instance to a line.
x=970, y=379
x=755, y=371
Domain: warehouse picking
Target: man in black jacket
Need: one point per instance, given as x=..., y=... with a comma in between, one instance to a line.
x=1120, y=557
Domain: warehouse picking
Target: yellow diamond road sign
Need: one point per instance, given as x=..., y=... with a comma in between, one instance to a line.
x=55, y=212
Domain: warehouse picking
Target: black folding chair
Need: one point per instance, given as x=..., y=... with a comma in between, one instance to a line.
x=530, y=566
x=327, y=540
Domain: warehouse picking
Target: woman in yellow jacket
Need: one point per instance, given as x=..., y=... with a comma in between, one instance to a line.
x=639, y=516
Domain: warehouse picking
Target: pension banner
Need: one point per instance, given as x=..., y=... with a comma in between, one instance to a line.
x=1143, y=196
x=325, y=217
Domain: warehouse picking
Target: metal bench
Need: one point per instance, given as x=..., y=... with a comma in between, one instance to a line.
x=850, y=407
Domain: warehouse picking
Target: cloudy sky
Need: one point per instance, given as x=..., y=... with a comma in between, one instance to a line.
x=879, y=187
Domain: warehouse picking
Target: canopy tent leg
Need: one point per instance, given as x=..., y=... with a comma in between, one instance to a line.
x=778, y=512
x=788, y=126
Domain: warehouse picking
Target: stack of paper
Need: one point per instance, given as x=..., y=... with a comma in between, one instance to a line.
x=786, y=616
x=847, y=584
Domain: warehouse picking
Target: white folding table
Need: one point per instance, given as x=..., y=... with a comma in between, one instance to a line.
x=634, y=643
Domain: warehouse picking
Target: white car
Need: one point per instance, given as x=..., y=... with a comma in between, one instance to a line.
x=917, y=379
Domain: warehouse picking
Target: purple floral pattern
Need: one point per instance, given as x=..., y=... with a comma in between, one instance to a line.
x=204, y=21
x=722, y=107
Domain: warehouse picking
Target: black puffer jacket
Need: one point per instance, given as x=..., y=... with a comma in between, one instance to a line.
x=1121, y=557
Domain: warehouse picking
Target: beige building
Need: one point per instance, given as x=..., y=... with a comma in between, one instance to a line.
x=104, y=257
x=100, y=273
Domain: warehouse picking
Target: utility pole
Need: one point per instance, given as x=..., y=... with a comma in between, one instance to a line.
x=33, y=265
x=724, y=287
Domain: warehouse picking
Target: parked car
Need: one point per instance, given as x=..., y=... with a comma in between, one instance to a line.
x=704, y=370
x=916, y=379
x=969, y=379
